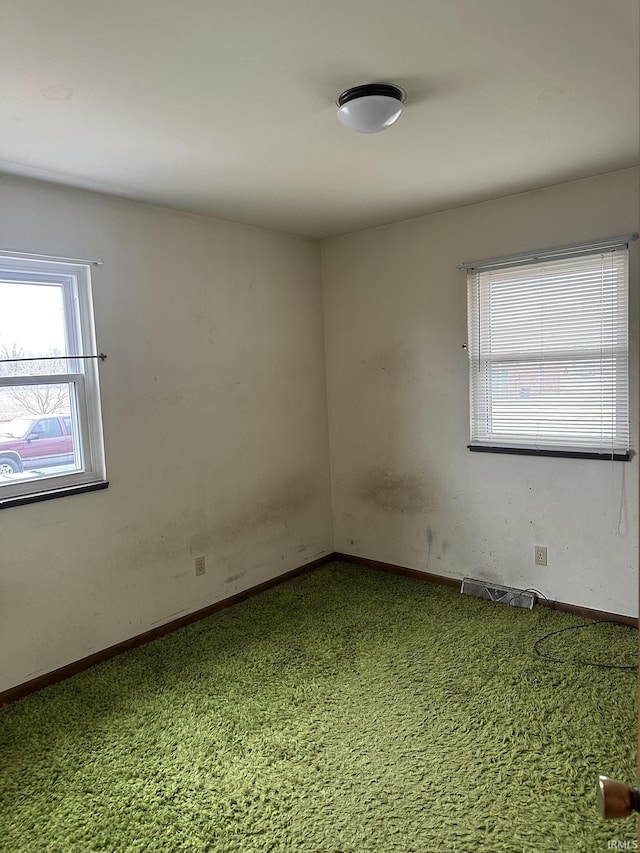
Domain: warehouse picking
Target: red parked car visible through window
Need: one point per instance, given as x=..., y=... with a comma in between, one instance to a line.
x=35, y=442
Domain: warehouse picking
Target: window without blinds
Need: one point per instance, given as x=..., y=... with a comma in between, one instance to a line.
x=50, y=416
x=548, y=355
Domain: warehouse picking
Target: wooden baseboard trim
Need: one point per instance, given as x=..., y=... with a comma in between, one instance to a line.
x=398, y=570
x=576, y=610
x=589, y=613
x=64, y=672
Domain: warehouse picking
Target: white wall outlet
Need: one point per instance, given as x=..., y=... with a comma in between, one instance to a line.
x=540, y=555
x=200, y=569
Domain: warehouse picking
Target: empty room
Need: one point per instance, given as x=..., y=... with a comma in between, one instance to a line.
x=319, y=426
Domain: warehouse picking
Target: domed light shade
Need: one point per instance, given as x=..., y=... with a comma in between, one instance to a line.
x=370, y=108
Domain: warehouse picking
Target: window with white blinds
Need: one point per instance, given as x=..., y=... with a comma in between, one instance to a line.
x=548, y=355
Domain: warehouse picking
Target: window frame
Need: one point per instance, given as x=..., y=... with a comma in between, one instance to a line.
x=74, y=278
x=485, y=440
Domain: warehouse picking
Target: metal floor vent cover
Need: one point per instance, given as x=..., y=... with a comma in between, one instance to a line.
x=494, y=592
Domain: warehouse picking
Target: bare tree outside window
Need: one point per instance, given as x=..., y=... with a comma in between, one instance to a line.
x=35, y=399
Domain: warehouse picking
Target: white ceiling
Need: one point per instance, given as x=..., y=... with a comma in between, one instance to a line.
x=226, y=107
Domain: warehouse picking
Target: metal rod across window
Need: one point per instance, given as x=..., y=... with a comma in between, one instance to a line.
x=102, y=356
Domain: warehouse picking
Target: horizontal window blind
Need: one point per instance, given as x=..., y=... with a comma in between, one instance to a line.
x=548, y=354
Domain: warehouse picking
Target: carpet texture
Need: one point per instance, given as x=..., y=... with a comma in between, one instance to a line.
x=346, y=711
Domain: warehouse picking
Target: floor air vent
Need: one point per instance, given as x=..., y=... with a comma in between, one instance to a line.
x=495, y=592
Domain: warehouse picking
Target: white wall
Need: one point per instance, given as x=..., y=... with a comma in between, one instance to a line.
x=214, y=406
x=405, y=488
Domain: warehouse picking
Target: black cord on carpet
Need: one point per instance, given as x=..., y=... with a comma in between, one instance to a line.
x=540, y=654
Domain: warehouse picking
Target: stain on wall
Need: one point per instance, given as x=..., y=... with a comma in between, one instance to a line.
x=429, y=537
x=393, y=492
x=277, y=506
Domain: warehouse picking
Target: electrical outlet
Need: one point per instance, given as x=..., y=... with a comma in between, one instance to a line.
x=200, y=569
x=540, y=555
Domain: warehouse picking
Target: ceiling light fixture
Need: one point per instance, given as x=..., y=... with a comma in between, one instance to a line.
x=370, y=108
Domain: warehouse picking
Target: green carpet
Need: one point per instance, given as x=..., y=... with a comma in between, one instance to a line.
x=347, y=711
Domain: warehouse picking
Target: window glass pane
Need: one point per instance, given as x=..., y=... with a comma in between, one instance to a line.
x=32, y=324
x=34, y=443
